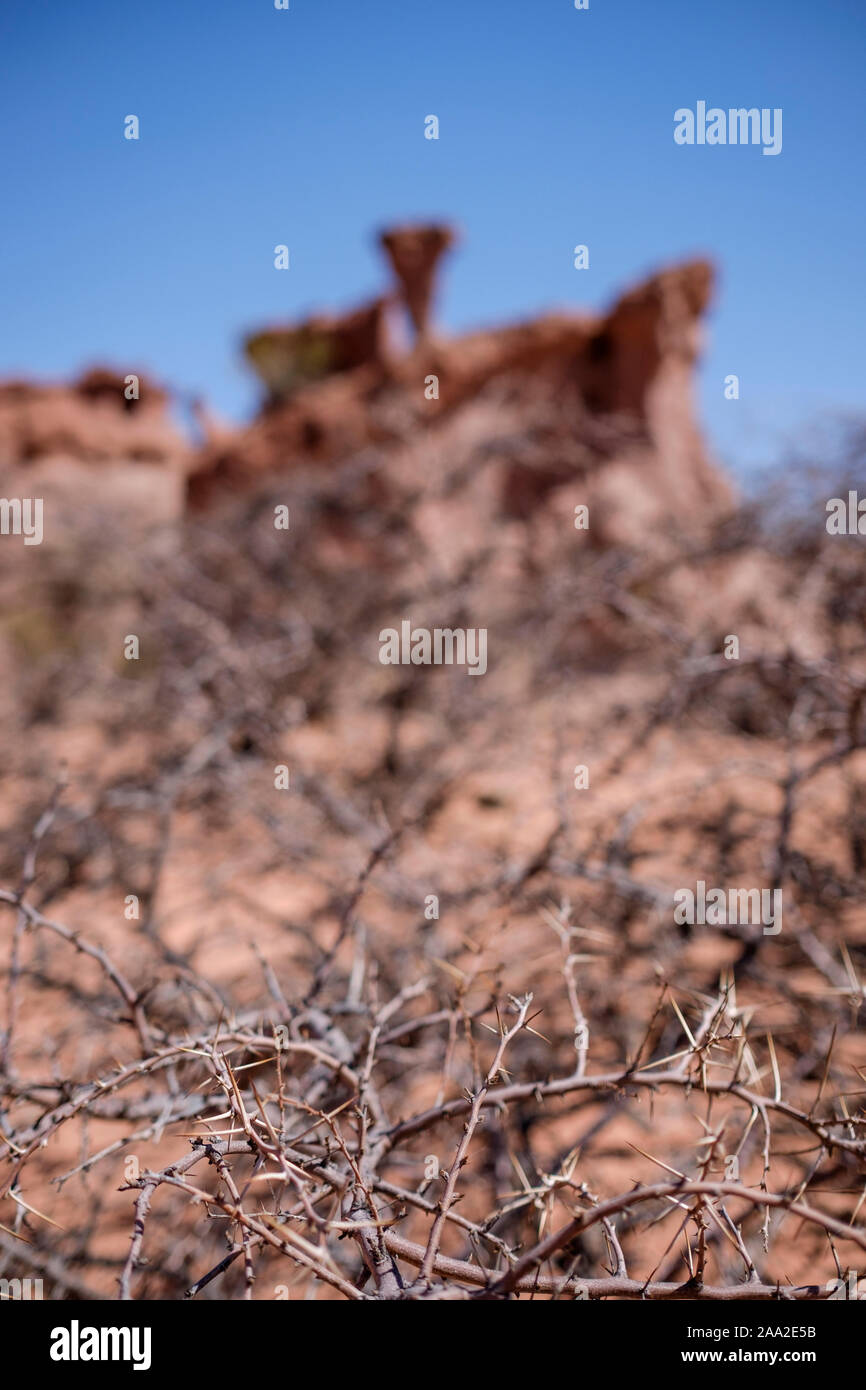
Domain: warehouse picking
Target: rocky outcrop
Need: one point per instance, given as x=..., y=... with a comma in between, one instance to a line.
x=604, y=400
x=414, y=254
x=560, y=409
x=93, y=420
x=105, y=445
x=287, y=359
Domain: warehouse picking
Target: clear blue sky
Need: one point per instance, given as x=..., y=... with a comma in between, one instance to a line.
x=261, y=126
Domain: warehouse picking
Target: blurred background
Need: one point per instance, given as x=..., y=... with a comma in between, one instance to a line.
x=305, y=127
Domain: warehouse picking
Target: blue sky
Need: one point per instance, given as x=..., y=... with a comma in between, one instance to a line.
x=305, y=127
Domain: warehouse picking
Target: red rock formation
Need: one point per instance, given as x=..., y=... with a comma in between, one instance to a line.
x=88, y=445
x=600, y=404
x=414, y=254
x=287, y=359
x=605, y=397
x=320, y=423
x=91, y=420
